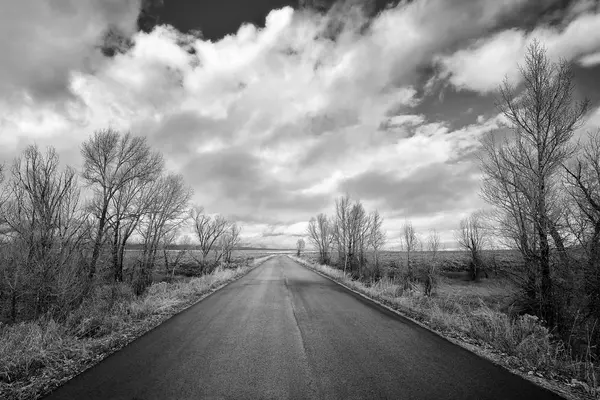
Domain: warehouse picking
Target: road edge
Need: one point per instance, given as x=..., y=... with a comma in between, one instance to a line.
x=477, y=350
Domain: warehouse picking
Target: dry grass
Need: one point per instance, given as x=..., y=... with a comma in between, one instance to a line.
x=471, y=311
x=36, y=356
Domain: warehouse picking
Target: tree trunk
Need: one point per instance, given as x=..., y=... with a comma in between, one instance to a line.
x=121, y=259
x=544, y=260
x=97, y=245
x=115, y=252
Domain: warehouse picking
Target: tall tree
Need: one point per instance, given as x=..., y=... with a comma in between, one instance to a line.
x=520, y=174
x=111, y=162
x=583, y=188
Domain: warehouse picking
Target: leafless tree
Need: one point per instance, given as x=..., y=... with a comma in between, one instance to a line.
x=111, y=162
x=168, y=212
x=521, y=172
x=342, y=230
x=43, y=230
x=409, y=243
x=209, y=229
x=300, y=244
x=350, y=232
x=361, y=226
x=320, y=234
x=583, y=187
x=472, y=236
x=229, y=241
x=377, y=236
x=127, y=208
x=433, y=246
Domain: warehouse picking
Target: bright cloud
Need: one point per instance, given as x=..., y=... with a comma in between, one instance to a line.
x=482, y=66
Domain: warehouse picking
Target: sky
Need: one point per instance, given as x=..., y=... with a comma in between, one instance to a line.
x=272, y=109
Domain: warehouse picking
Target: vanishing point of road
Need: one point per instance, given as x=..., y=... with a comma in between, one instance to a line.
x=285, y=332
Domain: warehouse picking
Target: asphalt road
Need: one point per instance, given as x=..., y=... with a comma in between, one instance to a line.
x=284, y=332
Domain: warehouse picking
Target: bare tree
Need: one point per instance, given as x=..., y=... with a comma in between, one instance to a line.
x=43, y=228
x=320, y=234
x=342, y=230
x=377, y=236
x=433, y=246
x=126, y=210
x=409, y=243
x=300, y=244
x=472, y=236
x=361, y=226
x=521, y=173
x=168, y=240
x=111, y=162
x=583, y=187
x=168, y=212
x=229, y=241
x=208, y=229
x=350, y=232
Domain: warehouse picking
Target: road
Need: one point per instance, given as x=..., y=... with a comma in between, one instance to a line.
x=285, y=332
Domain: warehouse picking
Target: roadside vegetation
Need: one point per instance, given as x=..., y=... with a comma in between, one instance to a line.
x=89, y=259
x=541, y=183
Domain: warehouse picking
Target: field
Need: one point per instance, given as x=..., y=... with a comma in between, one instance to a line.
x=186, y=261
x=453, y=283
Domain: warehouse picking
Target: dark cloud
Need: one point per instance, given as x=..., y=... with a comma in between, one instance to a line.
x=430, y=189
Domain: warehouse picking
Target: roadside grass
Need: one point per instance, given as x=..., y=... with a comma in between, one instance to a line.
x=471, y=313
x=38, y=356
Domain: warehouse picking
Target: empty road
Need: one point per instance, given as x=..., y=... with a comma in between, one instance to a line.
x=285, y=332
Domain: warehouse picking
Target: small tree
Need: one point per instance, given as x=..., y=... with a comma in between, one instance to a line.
x=433, y=246
x=472, y=236
x=409, y=243
x=229, y=241
x=209, y=229
x=300, y=247
x=320, y=234
x=377, y=236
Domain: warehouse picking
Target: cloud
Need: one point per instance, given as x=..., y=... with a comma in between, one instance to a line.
x=43, y=42
x=482, y=66
x=269, y=125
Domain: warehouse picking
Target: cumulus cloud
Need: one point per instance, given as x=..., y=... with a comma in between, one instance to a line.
x=483, y=65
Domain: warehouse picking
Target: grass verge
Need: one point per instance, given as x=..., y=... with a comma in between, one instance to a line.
x=38, y=356
x=522, y=345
